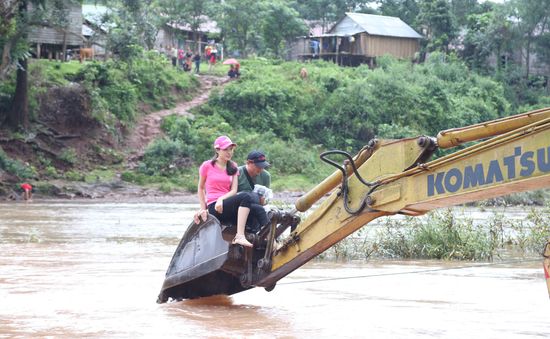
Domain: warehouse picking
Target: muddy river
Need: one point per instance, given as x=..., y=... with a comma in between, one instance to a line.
x=73, y=270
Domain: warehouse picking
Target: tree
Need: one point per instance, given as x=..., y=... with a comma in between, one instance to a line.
x=132, y=23
x=461, y=9
x=240, y=22
x=532, y=19
x=329, y=11
x=193, y=13
x=8, y=13
x=436, y=16
x=16, y=23
x=406, y=10
x=16, y=47
x=281, y=24
x=487, y=34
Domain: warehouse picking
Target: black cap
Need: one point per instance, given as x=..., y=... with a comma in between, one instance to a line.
x=258, y=158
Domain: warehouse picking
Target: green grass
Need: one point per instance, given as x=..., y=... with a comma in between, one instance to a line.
x=55, y=72
x=101, y=175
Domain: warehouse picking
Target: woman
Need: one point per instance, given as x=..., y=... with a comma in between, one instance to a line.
x=217, y=190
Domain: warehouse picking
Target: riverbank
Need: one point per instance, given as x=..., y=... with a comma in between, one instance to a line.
x=113, y=191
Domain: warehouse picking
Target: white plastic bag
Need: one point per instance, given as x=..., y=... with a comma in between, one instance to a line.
x=264, y=192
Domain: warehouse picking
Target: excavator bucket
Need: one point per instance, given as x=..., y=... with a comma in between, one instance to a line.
x=205, y=263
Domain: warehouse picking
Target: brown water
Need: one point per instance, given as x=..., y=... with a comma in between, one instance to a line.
x=72, y=270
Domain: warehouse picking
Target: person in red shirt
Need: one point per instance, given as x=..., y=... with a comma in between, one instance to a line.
x=27, y=191
x=211, y=61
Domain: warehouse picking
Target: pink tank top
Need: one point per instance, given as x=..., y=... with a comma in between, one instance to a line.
x=217, y=181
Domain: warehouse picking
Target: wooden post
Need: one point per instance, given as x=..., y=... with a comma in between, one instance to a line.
x=338, y=40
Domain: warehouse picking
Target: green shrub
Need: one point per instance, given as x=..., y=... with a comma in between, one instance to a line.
x=51, y=172
x=438, y=236
x=166, y=188
x=74, y=176
x=162, y=155
x=15, y=167
x=69, y=156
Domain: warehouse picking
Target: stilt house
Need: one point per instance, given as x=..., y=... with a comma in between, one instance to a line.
x=360, y=38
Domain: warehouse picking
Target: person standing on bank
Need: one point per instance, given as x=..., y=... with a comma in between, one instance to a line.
x=217, y=190
x=197, y=60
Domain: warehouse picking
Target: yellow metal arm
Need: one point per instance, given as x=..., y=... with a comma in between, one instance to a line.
x=457, y=136
x=516, y=159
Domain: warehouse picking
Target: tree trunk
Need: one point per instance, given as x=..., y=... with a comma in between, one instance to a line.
x=5, y=63
x=65, y=44
x=18, y=115
x=196, y=46
x=527, y=55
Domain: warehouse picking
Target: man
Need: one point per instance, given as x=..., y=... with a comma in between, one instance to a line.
x=254, y=172
x=250, y=174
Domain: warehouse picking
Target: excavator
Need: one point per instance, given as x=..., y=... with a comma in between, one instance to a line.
x=386, y=177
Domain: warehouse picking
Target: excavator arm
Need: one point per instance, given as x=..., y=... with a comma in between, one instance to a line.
x=394, y=177
x=386, y=177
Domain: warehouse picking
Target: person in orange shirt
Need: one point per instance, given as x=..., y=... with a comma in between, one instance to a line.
x=27, y=191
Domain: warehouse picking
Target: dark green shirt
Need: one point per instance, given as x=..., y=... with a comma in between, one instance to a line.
x=264, y=179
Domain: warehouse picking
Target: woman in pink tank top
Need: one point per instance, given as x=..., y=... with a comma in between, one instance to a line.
x=217, y=190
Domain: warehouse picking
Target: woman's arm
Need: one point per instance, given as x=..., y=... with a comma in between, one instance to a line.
x=232, y=192
x=202, y=214
x=201, y=193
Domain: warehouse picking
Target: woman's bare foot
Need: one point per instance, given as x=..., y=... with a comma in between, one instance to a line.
x=241, y=240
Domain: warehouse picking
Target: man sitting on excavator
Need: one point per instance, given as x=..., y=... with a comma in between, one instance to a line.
x=251, y=174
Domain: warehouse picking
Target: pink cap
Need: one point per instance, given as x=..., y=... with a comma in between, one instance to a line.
x=223, y=142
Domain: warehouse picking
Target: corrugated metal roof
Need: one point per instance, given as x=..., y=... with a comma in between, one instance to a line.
x=206, y=26
x=374, y=25
x=95, y=14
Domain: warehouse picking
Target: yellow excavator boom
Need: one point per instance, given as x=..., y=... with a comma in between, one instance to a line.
x=396, y=177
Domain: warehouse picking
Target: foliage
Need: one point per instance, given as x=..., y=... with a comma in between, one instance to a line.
x=281, y=24
x=133, y=23
x=69, y=156
x=400, y=100
x=273, y=109
x=182, y=12
x=437, y=17
x=162, y=155
x=15, y=167
x=238, y=18
x=440, y=236
x=447, y=235
x=117, y=87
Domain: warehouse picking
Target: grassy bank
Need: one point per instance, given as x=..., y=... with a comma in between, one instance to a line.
x=450, y=234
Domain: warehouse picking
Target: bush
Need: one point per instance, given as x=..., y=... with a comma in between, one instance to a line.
x=118, y=87
x=161, y=157
x=15, y=167
x=74, y=176
x=69, y=156
x=439, y=236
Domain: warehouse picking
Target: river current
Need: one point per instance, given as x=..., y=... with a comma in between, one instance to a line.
x=89, y=269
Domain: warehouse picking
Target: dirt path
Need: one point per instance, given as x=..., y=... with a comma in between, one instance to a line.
x=148, y=127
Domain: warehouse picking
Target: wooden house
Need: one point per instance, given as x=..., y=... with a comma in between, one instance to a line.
x=181, y=35
x=360, y=38
x=95, y=29
x=49, y=40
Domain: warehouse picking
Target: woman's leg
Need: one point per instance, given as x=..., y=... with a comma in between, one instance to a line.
x=235, y=210
x=242, y=215
x=243, y=201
